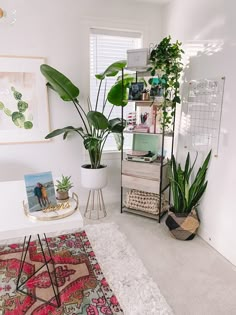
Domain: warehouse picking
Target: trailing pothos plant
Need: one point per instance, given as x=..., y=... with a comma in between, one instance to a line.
x=187, y=191
x=165, y=61
x=95, y=126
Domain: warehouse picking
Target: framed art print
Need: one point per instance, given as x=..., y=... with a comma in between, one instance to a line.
x=23, y=100
x=40, y=191
x=135, y=91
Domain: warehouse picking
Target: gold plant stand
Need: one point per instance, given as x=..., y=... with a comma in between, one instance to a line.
x=95, y=207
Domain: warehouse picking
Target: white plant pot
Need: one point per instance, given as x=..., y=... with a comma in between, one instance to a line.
x=93, y=178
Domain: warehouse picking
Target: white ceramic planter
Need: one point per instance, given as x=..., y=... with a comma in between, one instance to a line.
x=93, y=178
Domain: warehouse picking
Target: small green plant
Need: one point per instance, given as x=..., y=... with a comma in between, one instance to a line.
x=64, y=184
x=186, y=193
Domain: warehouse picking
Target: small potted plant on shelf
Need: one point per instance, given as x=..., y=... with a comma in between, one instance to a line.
x=62, y=187
x=182, y=219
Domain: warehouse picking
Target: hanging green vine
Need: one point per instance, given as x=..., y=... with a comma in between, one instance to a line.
x=165, y=60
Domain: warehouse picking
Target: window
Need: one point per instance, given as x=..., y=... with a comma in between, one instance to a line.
x=106, y=47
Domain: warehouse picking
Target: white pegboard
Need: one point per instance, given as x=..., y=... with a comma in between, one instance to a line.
x=201, y=115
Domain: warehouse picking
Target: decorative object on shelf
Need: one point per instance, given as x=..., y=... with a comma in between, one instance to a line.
x=156, y=87
x=145, y=95
x=144, y=201
x=131, y=121
x=146, y=157
x=62, y=187
x=165, y=60
x=137, y=58
x=182, y=219
x=135, y=91
x=40, y=191
x=22, y=93
x=58, y=211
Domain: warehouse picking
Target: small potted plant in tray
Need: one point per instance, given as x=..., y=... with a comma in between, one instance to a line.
x=187, y=190
x=62, y=187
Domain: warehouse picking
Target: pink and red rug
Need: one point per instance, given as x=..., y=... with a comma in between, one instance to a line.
x=82, y=285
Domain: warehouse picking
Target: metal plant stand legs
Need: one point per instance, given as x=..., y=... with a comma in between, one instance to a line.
x=95, y=208
x=21, y=285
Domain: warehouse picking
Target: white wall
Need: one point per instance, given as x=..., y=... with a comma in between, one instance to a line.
x=202, y=22
x=59, y=31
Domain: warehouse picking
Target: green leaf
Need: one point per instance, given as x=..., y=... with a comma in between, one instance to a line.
x=28, y=125
x=66, y=130
x=7, y=111
x=91, y=143
x=18, y=119
x=186, y=196
x=1, y=106
x=116, y=126
x=97, y=120
x=112, y=70
x=176, y=99
x=17, y=95
x=60, y=83
x=22, y=106
x=118, y=138
x=114, y=96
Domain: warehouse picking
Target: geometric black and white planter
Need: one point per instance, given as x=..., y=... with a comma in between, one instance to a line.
x=183, y=226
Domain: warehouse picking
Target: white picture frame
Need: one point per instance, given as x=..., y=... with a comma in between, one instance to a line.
x=24, y=114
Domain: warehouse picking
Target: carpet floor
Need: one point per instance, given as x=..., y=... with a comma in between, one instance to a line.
x=137, y=293
x=88, y=276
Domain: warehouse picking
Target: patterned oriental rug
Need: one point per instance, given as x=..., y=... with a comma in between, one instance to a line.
x=82, y=285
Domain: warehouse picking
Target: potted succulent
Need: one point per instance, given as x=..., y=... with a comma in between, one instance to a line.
x=62, y=187
x=95, y=126
x=187, y=191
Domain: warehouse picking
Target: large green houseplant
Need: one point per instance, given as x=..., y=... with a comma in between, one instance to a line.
x=187, y=190
x=95, y=126
x=165, y=62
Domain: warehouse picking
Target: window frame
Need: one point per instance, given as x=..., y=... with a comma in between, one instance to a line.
x=134, y=34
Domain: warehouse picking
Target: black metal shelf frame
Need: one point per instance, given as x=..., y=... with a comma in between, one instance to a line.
x=163, y=135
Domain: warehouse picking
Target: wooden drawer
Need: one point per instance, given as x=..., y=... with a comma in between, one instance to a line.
x=139, y=183
x=143, y=176
x=144, y=170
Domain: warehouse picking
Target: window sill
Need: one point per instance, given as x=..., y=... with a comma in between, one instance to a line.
x=111, y=155
x=106, y=155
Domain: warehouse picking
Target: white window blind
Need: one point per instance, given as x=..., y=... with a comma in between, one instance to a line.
x=106, y=47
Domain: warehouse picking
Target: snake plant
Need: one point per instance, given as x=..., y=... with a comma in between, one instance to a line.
x=186, y=189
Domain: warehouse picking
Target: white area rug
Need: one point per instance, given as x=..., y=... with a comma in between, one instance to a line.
x=136, y=292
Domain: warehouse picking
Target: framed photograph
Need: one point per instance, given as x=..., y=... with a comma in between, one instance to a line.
x=40, y=191
x=135, y=91
x=23, y=100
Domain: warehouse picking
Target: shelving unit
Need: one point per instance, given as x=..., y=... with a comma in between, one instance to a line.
x=149, y=177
